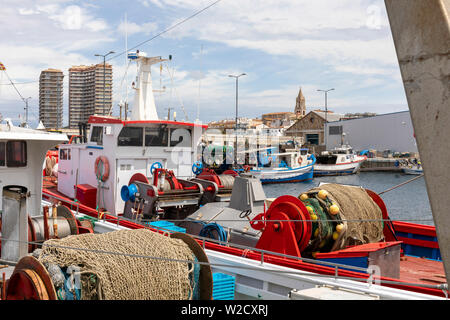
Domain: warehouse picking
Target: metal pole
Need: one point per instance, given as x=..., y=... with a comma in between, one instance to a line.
x=236, y=119
x=326, y=114
x=104, y=83
x=104, y=78
x=326, y=118
x=236, y=123
x=26, y=111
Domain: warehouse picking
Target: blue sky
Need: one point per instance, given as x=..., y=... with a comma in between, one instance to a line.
x=282, y=45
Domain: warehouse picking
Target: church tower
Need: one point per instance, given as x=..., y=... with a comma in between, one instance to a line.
x=300, y=105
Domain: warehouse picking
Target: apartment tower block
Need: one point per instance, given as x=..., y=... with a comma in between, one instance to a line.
x=90, y=92
x=51, y=98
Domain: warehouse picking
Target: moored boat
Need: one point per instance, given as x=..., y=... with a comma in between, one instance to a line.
x=413, y=170
x=275, y=264
x=293, y=165
x=339, y=161
x=412, y=166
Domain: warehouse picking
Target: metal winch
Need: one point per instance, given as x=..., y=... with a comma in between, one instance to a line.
x=22, y=233
x=167, y=196
x=223, y=183
x=172, y=198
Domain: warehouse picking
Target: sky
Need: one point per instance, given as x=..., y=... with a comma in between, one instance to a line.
x=281, y=45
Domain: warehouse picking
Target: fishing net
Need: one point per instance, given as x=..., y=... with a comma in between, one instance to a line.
x=116, y=265
x=359, y=216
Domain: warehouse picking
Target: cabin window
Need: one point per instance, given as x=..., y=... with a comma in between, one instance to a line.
x=64, y=154
x=2, y=154
x=326, y=159
x=16, y=154
x=156, y=136
x=130, y=137
x=97, y=135
x=180, y=137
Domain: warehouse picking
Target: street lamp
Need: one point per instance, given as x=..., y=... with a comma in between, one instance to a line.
x=326, y=112
x=235, y=123
x=104, y=75
x=26, y=110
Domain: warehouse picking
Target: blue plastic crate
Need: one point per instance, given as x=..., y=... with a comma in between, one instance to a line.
x=161, y=223
x=166, y=226
x=223, y=286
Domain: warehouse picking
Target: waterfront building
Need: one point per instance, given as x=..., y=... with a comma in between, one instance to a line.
x=311, y=127
x=51, y=98
x=384, y=132
x=90, y=92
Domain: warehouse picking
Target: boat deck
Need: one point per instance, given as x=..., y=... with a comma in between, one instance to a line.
x=422, y=270
x=412, y=269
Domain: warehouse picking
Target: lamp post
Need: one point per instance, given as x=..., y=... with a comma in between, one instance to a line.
x=104, y=75
x=326, y=113
x=236, y=121
x=26, y=110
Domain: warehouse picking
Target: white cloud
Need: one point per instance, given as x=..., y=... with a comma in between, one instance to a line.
x=26, y=12
x=132, y=28
x=147, y=3
x=348, y=42
x=335, y=32
x=76, y=18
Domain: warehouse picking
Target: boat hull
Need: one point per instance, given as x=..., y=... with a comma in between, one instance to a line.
x=284, y=176
x=412, y=171
x=336, y=169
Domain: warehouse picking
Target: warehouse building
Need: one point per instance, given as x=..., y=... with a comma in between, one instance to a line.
x=391, y=131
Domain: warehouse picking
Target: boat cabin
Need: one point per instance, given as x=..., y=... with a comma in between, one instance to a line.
x=22, y=155
x=118, y=149
x=338, y=155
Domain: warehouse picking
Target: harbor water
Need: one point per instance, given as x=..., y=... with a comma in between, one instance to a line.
x=407, y=203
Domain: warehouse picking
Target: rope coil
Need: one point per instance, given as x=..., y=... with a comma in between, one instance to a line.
x=333, y=208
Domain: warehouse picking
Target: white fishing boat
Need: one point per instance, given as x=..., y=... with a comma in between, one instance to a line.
x=293, y=165
x=266, y=259
x=273, y=269
x=119, y=151
x=339, y=161
x=266, y=269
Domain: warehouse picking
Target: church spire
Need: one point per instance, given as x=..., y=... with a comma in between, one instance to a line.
x=300, y=104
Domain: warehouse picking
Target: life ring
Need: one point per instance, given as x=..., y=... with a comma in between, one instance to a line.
x=300, y=160
x=102, y=168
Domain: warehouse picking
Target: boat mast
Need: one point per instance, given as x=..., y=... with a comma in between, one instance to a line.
x=144, y=107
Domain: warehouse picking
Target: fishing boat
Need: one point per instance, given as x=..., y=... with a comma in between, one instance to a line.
x=121, y=182
x=292, y=165
x=263, y=246
x=404, y=263
x=118, y=151
x=412, y=166
x=339, y=161
x=413, y=170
